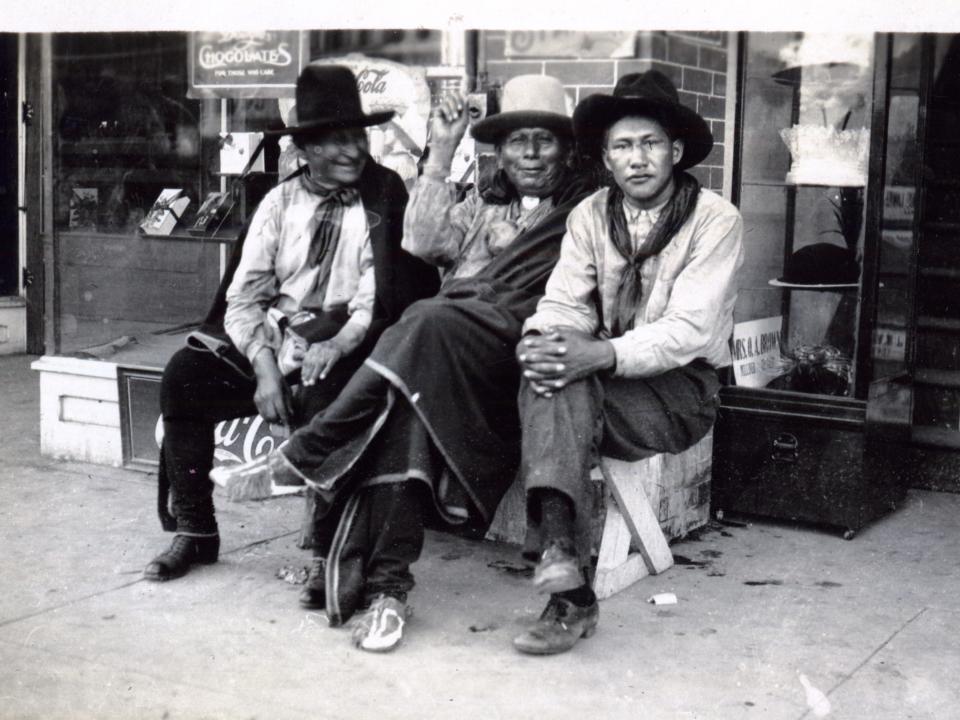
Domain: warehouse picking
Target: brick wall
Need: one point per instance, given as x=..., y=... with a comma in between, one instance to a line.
x=695, y=62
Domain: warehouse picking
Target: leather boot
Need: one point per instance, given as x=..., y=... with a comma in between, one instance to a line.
x=184, y=551
x=314, y=593
x=559, y=627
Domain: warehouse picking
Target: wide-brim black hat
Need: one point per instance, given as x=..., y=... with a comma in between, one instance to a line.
x=528, y=101
x=820, y=266
x=650, y=94
x=327, y=98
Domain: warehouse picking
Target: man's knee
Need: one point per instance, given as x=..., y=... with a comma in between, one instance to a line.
x=180, y=370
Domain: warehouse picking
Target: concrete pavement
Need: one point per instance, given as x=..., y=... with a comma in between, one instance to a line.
x=869, y=622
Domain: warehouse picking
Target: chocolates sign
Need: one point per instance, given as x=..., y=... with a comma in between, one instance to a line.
x=244, y=64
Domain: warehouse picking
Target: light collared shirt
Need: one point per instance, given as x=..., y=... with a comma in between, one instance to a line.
x=273, y=269
x=689, y=289
x=462, y=238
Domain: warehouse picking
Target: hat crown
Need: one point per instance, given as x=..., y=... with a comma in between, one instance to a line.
x=534, y=93
x=649, y=85
x=327, y=93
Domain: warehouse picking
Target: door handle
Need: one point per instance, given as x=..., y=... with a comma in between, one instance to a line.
x=785, y=448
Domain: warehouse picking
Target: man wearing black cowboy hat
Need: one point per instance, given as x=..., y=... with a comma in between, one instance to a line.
x=324, y=246
x=629, y=334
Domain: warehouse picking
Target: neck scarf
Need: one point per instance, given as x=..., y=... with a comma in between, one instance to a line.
x=672, y=217
x=329, y=220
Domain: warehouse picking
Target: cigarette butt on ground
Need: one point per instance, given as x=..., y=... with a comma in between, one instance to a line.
x=663, y=599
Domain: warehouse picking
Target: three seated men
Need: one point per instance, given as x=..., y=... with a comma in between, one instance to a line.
x=616, y=352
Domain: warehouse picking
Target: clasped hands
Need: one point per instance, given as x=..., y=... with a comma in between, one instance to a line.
x=559, y=356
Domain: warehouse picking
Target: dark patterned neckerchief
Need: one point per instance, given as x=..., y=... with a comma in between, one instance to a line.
x=326, y=237
x=672, y=217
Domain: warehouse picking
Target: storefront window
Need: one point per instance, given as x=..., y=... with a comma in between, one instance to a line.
x=805, y=137
x=124, y=132
x=138, y=152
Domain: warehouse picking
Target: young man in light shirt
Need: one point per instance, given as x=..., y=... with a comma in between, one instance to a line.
x=621, y=357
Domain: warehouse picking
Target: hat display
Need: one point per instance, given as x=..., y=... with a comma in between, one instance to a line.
x=820, y=266
x=527, y=101
x=327, y=98
x=827, y=156
x=649, y=93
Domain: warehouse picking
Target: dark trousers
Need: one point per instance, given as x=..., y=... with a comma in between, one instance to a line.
x=371, y=540
x=372, y=534
x=199, y=390
x=628, y=419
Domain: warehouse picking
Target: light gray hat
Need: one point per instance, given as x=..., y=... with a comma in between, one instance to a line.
x=527, y=101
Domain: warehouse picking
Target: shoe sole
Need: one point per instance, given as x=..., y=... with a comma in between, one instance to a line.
x=587, y=632
x=164, y=577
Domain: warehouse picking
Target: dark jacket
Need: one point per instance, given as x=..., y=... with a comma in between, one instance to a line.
x=401, y=279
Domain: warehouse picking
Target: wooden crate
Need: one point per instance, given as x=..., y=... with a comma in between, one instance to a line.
x=680, y=493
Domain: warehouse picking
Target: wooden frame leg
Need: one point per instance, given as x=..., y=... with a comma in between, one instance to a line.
x=629, y=516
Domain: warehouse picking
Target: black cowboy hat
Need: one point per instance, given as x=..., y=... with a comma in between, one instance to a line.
x=651, y=94
x=820, y=265
x=327, y=98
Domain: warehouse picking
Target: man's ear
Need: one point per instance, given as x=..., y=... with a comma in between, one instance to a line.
x=677, y=151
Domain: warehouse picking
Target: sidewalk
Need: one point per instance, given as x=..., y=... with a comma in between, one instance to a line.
x=871, y=622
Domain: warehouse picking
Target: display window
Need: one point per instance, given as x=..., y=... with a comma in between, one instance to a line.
x=803, y=177
x=154, y=173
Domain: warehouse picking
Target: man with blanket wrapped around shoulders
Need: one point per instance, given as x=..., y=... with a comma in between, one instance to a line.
x=429, y=424
x=622, y=354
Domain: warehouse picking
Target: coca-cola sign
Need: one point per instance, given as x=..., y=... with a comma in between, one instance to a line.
x=244, y=64
x=238, y=441
x=235, y=441
x=386, y=85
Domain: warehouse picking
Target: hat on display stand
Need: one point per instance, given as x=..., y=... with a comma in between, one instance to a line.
x=820, y=266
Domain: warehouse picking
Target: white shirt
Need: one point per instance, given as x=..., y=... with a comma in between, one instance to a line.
x=273, y=269
x=689, y=288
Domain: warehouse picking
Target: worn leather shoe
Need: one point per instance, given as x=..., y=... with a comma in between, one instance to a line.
x=559, y=627
x=557, y=571
x=314, y=593
x=184, y=551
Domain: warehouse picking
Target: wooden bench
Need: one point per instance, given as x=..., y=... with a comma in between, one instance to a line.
x=639, y=507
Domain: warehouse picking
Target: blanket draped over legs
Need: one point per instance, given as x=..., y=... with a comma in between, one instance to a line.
x=434, y=407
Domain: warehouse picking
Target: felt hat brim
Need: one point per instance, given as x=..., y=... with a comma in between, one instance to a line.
x=780, y=282
x=493, y=128
x=594, y=116
x=358, y=121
